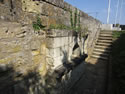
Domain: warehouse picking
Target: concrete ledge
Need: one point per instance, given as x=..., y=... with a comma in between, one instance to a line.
x=59, y=33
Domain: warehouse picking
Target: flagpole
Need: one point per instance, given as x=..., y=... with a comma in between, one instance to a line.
x=109, y=6
x=121, y=11
x=116, y=13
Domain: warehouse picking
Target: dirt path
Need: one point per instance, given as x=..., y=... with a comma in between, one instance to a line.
x=95, y=79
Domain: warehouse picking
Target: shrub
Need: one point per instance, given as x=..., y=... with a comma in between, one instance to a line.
x=38, y=24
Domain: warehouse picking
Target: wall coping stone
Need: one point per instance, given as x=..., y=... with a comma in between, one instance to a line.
x=59, y=33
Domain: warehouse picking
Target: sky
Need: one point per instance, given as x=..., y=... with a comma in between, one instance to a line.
x=98, y=9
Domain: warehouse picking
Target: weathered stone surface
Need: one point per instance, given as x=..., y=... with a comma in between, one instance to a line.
x=28, y=57
x=50, y=11
x=60, y=45
x=21, y=52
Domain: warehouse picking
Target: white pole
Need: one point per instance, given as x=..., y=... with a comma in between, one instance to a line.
x=116, y=12
x=120, y=12
x=109, y=6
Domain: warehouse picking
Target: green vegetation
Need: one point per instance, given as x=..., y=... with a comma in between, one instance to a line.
x=117, y=25
x=75, y=21
x=118, y=61
x=71, y=19
x=38, y=24
x=75, y=18
x=79, y=23
x=117, y=34
x=76, y=24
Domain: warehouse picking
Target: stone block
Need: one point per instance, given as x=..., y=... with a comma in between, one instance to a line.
x=65, y=39
x=67, y=48
x=31, y=6
x=57, y=42
x=58, y=61
x=50, y=42
x=62, y=51
x=55, y=52
x=70, y=53
x=58, y=33
x=58, y=3
x=67, y=6
x=70, y=39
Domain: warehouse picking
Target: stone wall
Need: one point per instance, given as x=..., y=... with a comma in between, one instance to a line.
x=22, y=59
x=25, y=59
x=28, y=57
x=52, y=12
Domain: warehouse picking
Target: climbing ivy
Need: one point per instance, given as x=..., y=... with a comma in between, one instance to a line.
x=79, y=23
x=37, y=25
x=75, y=21
x=71, y=19
x=75, y=18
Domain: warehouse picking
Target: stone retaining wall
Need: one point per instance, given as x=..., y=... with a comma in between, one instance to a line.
x=22, y=58
x=27, y=58
x=52, y=12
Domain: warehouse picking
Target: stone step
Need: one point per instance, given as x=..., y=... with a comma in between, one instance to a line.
x=102, y=47
x=100, y=53
x=102, y=50
x=105, y=38
x=104, y=44
x=99, y=57
x=106, y=32
x=106, y=35
x=105, y=41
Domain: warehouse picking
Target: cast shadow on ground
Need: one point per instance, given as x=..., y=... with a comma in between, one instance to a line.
x=118, y=64
x=12, y=82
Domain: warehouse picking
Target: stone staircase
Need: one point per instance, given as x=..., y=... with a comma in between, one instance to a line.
x=103, y=45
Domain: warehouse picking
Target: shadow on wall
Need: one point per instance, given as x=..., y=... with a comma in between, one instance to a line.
x=12, y=82
x=79, y=46
x=68, y=74
x=70, y=71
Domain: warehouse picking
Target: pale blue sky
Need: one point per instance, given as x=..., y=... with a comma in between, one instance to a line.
x=100, y=6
